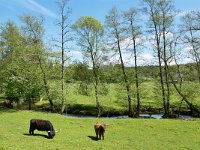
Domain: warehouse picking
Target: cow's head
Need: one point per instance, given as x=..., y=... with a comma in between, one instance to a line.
x=51, y=134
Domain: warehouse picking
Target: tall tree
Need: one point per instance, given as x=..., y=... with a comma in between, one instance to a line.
x=20, y=70
x=34, y=31
x=161, y=14
x=63, y=24
x=90, y=33
x=131, y=19
x=114, y=24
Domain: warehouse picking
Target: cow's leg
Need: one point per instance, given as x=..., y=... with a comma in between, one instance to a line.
x=103, y=136
x=96, y=130
x=49, y=134
x=31, y=131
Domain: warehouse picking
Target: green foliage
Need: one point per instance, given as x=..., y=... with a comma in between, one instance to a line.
x=82, y=72
x=104, y=89
x=33, y=27
x=20, y=71
x=191, y=91
x=55, y=94
x=84, y=88
x=89, y=34
x=111, y=73
x=19, y=88
x=14, y=88
x=88, y=23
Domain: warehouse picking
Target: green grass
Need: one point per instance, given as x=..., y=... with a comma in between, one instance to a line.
x=117, y=98
x=78, y=133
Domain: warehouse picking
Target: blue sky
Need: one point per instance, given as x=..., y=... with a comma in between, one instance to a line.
x=12, y=9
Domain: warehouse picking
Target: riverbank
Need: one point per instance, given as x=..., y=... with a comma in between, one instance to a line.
x=88, y=111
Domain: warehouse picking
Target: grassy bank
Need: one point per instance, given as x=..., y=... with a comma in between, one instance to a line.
x=113, y=100
x=78, y=133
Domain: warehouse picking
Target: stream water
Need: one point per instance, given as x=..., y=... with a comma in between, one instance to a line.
x=155, y=116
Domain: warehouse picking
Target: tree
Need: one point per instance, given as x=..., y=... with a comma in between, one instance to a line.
x=131, y=19
x=90, y=33
x=161, y=14
x=114, y=25
x=84, y=76
x=11, y=39
x=20, y=72
x=34, y=31
x=63, y=24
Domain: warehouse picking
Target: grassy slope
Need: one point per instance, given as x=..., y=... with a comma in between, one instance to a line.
x=78, y=133
x=116, y=98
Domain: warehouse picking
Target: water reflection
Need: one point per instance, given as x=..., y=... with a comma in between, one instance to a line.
x=155, y=116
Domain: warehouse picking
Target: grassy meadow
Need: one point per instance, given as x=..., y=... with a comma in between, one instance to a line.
x=114, y=99
x=78, y=133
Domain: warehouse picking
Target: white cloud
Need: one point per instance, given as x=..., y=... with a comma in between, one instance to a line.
x=24, y=5
x=128, y=58
x=33, y=5
x=76, y=55
x=147, y=58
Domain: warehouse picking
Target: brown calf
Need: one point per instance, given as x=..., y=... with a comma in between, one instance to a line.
x=99, y=130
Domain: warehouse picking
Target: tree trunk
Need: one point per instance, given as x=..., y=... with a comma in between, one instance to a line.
x=130, y=111
x=95, y=74
x=160, y=67
x=97, y=98
x=136, y=71
x=166, y=72
x=46, y=88
x=195, y=112
x=136, y=80
x=63, y=103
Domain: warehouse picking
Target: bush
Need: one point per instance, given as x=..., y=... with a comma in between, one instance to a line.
x=14, y=88
x=84, y=88
x=19, y=88
x=104, y=89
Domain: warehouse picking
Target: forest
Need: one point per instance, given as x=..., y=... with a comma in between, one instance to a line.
x=40, y=75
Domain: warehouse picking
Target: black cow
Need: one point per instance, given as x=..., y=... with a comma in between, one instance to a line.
x=41, y=125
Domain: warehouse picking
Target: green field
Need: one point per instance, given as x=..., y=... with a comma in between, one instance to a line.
x=78, y=133
x=115, y=100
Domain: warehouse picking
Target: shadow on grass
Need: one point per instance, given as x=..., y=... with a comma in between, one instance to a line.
x=82, y=109
x=94, y=138
x=91, y=110
x=8, y=110
x=42, y=135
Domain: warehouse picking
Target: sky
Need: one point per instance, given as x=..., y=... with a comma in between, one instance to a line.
x=13, y=9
